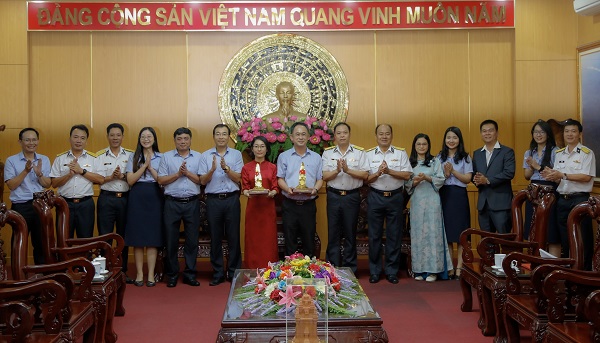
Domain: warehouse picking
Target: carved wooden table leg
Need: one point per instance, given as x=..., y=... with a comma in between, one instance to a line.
x=121, y=285
x=105, y=304
x=487, y=323
x=499, y=298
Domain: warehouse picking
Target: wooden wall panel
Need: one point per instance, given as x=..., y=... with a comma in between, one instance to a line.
x=492, y=78
x=14, y=85
x=139, y=79
x=208, y=57
x=545, y=29
x=13, y=32
x=588, y=29
x=422, y=82
x=60, y=87
x=553, y=81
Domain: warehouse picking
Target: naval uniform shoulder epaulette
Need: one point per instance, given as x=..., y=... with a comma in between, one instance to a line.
x=585, y=149
x=373, y=148
x=99, y=152
x=561, y=149
x=62, y=153
x=402, y=149
x=128, y=150
x=330, y=147
x=92, y=154
x=359, y=147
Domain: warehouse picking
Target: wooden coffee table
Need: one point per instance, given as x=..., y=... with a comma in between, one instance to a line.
x=364, y=326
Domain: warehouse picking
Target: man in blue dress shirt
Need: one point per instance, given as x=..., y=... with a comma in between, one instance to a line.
x=179, y=173
x=221, y=173
x=26, y=173
x=299, y=211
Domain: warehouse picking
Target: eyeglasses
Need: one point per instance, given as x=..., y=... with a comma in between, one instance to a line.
x=536, y=132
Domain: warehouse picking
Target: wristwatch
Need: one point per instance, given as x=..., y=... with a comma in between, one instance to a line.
x=226, y=169
x=565, y=176
x=83, y=172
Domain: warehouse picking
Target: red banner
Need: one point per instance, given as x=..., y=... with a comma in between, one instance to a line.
x=268, y=16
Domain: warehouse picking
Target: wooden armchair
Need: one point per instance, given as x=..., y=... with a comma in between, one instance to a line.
x=21, y=306
x=527, y=308
x=108, y=293
x=573, y=292
x=542, y=198
x=73, y=320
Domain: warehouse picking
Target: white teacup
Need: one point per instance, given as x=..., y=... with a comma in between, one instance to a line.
x=102, y=261
x=97, y=267
x=498, y=258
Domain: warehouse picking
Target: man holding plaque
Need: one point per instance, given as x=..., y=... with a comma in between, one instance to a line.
x=300, y=176
x=345, y=167
x=221, y=173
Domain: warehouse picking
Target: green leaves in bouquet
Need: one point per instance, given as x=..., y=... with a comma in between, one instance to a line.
x=275, y=131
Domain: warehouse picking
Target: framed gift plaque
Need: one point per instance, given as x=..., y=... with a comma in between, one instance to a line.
x=589, y=101
x=248, y=86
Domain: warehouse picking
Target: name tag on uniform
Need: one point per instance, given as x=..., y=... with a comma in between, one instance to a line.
x=107, y=163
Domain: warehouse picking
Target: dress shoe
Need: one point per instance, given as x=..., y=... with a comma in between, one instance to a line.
x=392, y=278
x=431, y=278
x=191, y=281
x=129, y=280
x=172, y=282
x=217, y=281
x=150, y=284
x=374, y=278
x=138, y=283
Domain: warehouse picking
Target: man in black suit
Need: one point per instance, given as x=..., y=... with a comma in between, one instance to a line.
x=493, y=169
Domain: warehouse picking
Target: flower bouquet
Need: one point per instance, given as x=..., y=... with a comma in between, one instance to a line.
x=276, y=131
x=274, y=290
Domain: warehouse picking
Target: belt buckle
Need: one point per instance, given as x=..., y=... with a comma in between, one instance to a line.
x=76, y=201
x=387, y=194
x=299, y=202
x=222, y=195
x=119, y=195
x=343, y=192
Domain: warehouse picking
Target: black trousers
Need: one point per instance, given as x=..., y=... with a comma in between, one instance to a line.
x=342, y=216
x=299, y=221
x=174, y=213
x=223, y=216
x=112, y=213
x=34, y=226
x=494, y=221
x=388, y=209
x=563, y=208
x=81, y=220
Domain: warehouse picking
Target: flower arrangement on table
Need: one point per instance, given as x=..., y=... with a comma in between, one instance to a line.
x=275, y=130
x=271, y=293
